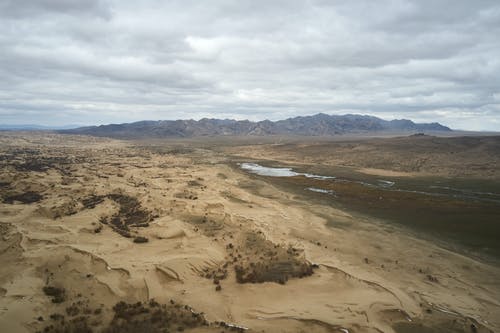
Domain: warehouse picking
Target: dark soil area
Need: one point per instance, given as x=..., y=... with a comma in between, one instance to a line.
x=92, y=201
x=130, y=214
x=58, y=294
x=25, y=198
x=140, y=317
x=39, y=160
x=153, y=317
x=41, y=164
x=263, y=261
x=258, y=260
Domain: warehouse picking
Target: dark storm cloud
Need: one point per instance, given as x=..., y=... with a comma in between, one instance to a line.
x=97, y=61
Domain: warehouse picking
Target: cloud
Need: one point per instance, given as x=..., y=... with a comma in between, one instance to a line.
x=101, y=61
x=26, y=9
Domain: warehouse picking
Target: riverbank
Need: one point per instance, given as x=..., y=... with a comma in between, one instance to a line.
x=462, y=218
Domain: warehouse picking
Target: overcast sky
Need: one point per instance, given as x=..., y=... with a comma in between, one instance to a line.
x=98, y=61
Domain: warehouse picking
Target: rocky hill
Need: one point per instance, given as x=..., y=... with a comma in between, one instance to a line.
x=317, y=125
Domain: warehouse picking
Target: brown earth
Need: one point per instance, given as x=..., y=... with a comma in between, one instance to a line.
x=225, y=251
x=402, y=156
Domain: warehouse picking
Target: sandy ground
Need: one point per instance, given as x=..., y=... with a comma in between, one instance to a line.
x=87, y=223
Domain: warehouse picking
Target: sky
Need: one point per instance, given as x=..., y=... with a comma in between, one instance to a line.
x=104, y=61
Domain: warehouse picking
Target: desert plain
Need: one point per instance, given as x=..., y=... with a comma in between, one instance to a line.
x=371, y=235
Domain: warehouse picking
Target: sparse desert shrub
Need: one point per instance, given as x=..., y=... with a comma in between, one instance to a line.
x=58, y=294
x=140, y=239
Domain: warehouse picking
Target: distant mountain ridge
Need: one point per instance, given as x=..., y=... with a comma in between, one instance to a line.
x=34, y=127
x=318, y=125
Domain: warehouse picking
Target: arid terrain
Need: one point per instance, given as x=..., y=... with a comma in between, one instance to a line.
x=103, y=235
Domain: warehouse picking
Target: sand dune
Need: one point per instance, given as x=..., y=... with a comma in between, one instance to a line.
x=119, y=223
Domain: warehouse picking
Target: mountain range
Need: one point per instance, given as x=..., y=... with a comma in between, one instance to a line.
x=34, y=127
x=317, y=125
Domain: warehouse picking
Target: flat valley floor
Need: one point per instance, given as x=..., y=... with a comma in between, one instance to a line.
x=101, y=235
